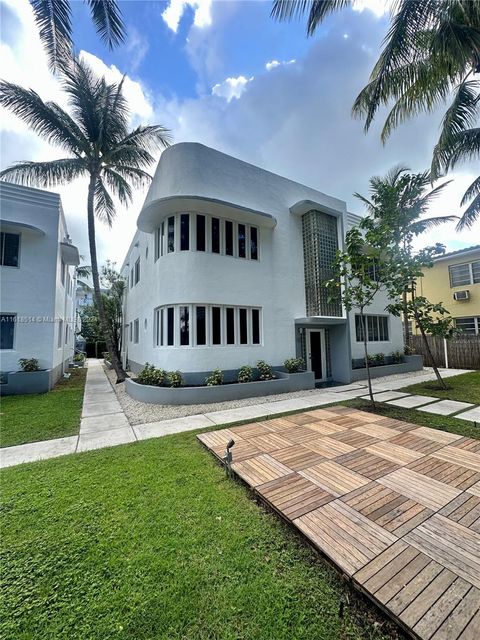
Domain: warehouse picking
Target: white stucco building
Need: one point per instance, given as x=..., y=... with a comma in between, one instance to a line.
x=38, y=284
x=228, y=267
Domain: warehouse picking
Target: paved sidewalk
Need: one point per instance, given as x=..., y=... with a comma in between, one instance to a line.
x=104, y=424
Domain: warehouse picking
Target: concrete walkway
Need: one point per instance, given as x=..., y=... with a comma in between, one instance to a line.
x=104, y=424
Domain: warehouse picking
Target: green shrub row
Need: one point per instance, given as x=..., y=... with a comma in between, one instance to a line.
x=159, y=377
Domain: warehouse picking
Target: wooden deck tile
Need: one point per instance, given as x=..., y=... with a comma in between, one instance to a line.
x=444, y=437
x=426, y=491
x=367, y=464
x=328, y=447
x=348, y=538
x=215, y=439
x=460, y=618
x=452, y=474
x=261, y=469
x=355, y=438
x=393, y=505
x=297, y=457
x=450, y=544
x=461, y=456
x=293, y=495
x=376, y=430
x=334, y=478
x=268, y=442
x=412, y=441
x=249, y=430
x=465, y=510
x=394, y=452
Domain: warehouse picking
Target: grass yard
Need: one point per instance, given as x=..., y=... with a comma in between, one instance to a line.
x=151, y=541
x=43, y=416
x=443, y=423
x=465, y=388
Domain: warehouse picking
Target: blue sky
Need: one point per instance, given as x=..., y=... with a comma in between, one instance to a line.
x=225, y=74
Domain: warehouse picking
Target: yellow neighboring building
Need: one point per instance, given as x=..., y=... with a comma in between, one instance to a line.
x=454, y=280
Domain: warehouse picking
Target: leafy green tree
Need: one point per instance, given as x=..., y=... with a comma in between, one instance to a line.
x=357, y=279
x=400, y=201
x=54, y=21
x=430, y=55
x=99, y=145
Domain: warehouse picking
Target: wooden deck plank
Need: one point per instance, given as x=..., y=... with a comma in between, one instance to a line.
x=460, y=617
x=394, y=453
x=471, y=631
x=415, y=442
x=427, y=598
x=426, y=491
x=444, y=437
x=457, y=455
x=367, y=464
x=442, y=609
x=414, y=588
x=334, y=478
x=329, y=447
x=297, y=457
x=395, y=583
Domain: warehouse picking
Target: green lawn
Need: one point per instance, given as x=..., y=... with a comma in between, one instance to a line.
x=465, y=387
x=43, y=416
x=151, y=541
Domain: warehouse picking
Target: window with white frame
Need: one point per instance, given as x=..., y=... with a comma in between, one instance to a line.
x=60, y=334
x=464, y=274
x=192, y=325
x=7, y=330
x=470, y=326
x=62, y=272
x=136, y=330
x=137, y=271
x=9, y=249
x=205, y=233
x=376, y=326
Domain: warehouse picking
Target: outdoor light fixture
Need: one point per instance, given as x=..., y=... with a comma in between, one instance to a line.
x=228, y=457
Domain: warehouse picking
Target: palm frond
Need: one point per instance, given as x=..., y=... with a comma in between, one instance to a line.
x=135, y=176
x=431, y=223
x=47, y=119
x=53, y=19
x=472, y=191
x=45, y=174
x=104, y=205
x=84, y=271
x=150, y=137
x=118, y=185
x=317, y=10
x=470, y=215
x=107, y=17
x=462, y=114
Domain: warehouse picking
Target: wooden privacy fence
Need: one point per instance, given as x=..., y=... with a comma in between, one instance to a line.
x=463, y=352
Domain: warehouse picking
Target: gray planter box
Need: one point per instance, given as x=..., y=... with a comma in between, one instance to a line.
x=205, y=395
x=412, y=363
x=20, y=382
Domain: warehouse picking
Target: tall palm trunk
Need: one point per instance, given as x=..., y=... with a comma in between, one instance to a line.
x=367, y=364
x=117, y=365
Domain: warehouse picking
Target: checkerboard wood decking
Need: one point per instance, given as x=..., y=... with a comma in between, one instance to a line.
x=396, y=507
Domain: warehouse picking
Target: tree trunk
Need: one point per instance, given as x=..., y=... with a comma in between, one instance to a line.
x=117, y=365
x=406, y=333
x=367, y=365
x=429, y=351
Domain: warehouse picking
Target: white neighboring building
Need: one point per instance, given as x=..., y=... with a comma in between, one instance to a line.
x=227, y=268
x=38, y=285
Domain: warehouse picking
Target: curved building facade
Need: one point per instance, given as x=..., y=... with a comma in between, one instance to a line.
x=228, y=267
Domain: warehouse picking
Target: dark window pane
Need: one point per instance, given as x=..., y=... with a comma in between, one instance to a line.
x=229, y=238
x=230, y=325
x=162, y=239
x=359, y=327
x=243, y=326
x=137, y=271
x=215, y=235
x=200, y=233
x=157, y=244
x=10, y=243
x=184, y=326
x=216, y=326
x=7, y=331
x=255, y=326
x=201, y=326
x=185, y=232
x=170, y=326
x=171, y=234
x=241, y=241
x=254, y=243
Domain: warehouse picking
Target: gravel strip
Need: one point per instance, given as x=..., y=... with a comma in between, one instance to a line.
x=142, y=412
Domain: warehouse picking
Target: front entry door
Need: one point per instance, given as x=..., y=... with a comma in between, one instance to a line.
x=316, y=353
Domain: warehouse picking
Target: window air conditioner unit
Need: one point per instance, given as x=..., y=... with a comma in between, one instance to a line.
x=461, y=295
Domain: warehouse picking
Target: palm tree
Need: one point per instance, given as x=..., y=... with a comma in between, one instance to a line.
x=99, y=145
x=54, y=21
x=399, y=201
x=430, y=52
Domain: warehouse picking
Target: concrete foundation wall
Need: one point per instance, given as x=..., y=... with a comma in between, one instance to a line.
x=412, y=363
x=203, y=395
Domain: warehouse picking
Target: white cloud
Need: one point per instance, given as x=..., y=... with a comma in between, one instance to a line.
x=377, y=7
x=176, y=8
x=231, y=87
x=273, y=64
x=137, y=48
